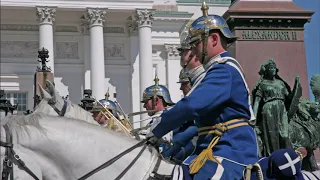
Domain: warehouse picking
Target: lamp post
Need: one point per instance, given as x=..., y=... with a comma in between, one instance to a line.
x=43, y=55
x=88, y=100
x=42, y=74
x=5, y=104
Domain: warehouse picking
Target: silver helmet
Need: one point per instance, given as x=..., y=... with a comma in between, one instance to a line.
x=106, y=104
x=157, y=90
x=183, y=76
x=184, y=36
x=201, y=27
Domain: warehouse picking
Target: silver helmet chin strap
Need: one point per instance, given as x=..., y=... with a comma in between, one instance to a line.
x=204, y=39
x=189, y=59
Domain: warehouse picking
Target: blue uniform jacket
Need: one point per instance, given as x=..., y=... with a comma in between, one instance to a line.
x=181, y=137
x=220, y=97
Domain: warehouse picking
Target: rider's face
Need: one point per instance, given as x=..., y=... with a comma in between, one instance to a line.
x=197, y=48
x=184, y=56
x=185, y=88
x=99, y=117
x=148, y=104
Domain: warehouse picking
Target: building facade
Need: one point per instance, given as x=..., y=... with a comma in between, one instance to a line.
x=96, y=45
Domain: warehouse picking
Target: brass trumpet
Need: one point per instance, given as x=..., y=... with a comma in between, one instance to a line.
x=111, y=120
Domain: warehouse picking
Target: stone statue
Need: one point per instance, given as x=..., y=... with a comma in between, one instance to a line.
x=305, y=125
x=283, y=119
x=315, y=86
x=271, y=95
x=304, y=131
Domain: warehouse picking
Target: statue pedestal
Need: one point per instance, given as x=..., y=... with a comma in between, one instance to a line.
x=40, y=78
x=270, y=29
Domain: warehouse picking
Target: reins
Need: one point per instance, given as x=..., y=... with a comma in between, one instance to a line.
x=111, y=161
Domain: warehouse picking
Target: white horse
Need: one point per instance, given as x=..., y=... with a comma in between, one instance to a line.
x=66, y=149
x=53, y=104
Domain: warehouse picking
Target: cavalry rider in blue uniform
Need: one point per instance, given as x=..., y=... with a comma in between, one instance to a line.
x=181, y=146
x=185, y=85
x=98, y=109
x=190, y=64
x=190, y=74
x=219, y=104
x=157, y=97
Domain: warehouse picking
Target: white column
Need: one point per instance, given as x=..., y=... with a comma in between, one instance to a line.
x=173, y=70
x=46, y=17
x=144, y=20
x=96, y=18
x=132, y=27
x=86, y=54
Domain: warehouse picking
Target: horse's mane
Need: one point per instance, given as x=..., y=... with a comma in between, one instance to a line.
x=78, y=109
x=20, y=124
x=43, y=105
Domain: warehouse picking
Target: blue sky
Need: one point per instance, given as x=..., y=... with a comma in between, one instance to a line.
x=312, y=37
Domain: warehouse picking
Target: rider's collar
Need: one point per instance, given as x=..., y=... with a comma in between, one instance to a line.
x=195, y=73
x=158, y=113
x=215, y=59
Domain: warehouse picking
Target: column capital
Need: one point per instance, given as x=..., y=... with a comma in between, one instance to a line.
x=84, y=26
x=46, y=15
x=172, y=50
x=95, y=17
x=144, y=17
x=132, y=26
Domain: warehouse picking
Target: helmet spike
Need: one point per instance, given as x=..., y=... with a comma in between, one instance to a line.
x=107, y=95
x=156, y=80
x=204, y=8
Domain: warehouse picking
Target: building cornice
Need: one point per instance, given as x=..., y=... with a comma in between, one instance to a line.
x=198, y=2
x=172, y=16
x=68, y=4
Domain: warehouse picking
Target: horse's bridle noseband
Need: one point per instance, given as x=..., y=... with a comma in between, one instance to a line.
x=11, y=158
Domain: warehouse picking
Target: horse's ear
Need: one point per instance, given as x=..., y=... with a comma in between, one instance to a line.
x=43, y=93
x=51, y=89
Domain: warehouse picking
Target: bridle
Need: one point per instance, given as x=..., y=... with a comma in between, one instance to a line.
x=61, y=112
x=11, y=157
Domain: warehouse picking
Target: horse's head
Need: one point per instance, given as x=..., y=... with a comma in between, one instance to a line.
x=53, y=104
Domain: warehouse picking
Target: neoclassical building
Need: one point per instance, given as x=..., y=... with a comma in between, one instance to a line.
x=96, y=45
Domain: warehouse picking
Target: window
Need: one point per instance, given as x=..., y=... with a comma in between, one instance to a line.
x=18, y=98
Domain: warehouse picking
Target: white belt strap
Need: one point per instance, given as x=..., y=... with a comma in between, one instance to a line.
x=234, y=63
